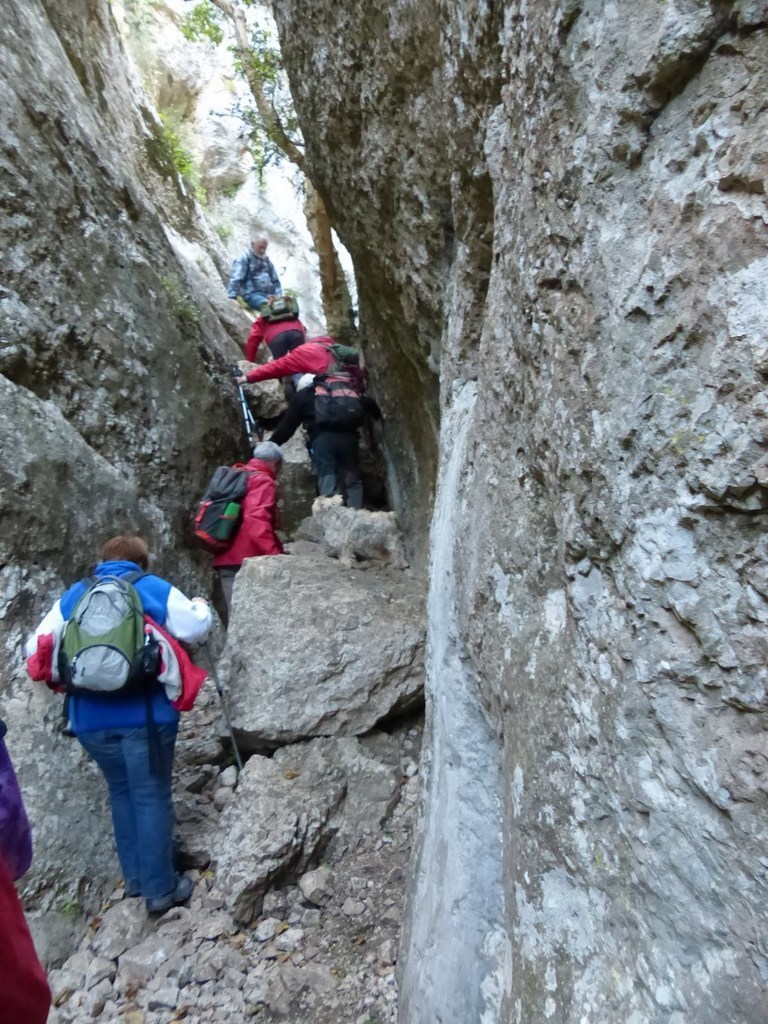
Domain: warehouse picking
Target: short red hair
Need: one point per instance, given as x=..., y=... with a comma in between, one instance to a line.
x=126, y=548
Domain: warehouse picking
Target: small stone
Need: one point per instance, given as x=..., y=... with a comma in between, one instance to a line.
x=316, y=885
x=213, y=926
x=266, y=929
x=222, y=797
x=387, y=952
x=98, y=969
x=352, y=908
x=288, y=940
x=167, y=995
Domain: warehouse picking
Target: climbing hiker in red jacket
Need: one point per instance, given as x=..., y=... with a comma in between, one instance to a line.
x=256, y=534
x=280, y=337
x=315, y=356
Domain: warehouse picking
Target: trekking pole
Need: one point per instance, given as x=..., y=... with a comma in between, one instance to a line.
x=251, y=427
x=217, y=683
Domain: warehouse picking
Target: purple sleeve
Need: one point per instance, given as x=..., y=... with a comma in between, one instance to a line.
x=15, y=835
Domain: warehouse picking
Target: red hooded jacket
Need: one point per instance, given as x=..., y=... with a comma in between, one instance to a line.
x=312, y=357
x=256, y=535
x=24, y=989
x=265, y=331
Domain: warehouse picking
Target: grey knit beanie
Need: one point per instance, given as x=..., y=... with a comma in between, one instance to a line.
x=268, y=451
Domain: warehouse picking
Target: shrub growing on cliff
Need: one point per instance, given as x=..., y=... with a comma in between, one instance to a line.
x=172, y=154
x=187, y=312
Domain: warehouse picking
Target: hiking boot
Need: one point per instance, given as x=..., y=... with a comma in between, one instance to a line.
x=184, y=889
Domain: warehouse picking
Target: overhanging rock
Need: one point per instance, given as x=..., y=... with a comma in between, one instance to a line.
x=315, y=649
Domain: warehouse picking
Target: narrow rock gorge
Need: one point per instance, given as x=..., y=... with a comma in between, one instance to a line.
x=558, y=219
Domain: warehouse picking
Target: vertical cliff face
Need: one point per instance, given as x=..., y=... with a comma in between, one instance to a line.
x=594, y=827
x=373, y=121
x=102, y=322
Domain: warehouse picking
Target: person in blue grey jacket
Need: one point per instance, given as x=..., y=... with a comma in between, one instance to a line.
x=254, y=276
x=115, y=729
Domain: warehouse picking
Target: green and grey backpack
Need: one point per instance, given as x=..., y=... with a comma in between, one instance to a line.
x=103, y=647
x=279, y=307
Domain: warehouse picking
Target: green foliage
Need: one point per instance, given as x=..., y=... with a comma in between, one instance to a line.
x=266, y=150
x=264, y=60
x=203, y=23
x=262, y=64
x=140, y=15
x=70, y=908
x=224, y=231
x=184, y=306
x=179, y=156
x=231, y=190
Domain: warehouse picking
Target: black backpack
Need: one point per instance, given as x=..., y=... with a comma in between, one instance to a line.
x=217, y=516
x=338, y=405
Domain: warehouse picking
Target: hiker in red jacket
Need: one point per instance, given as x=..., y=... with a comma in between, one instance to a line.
x=314, y=356
x=280, y=337
x=256, y=534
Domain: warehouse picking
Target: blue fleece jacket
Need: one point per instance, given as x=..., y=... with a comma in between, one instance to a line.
x=91, y=711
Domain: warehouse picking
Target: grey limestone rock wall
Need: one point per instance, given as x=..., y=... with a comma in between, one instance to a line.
x=373, y=122
x=594, y=830
x=113, y=352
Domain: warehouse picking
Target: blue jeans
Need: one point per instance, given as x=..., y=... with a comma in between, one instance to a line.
x=141, y=803
x=255, y=300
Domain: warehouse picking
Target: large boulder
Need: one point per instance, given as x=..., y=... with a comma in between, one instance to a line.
x=288, y=810
x=357, y=537
x=314, y=649
x=276, y=824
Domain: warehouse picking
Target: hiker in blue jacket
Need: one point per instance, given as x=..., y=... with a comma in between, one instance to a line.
x=254, y=276
x=119, y=730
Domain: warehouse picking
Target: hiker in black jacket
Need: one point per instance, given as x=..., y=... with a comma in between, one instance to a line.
x=333, y=442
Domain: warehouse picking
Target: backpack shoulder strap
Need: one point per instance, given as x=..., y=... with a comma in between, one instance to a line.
x=133, y=577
